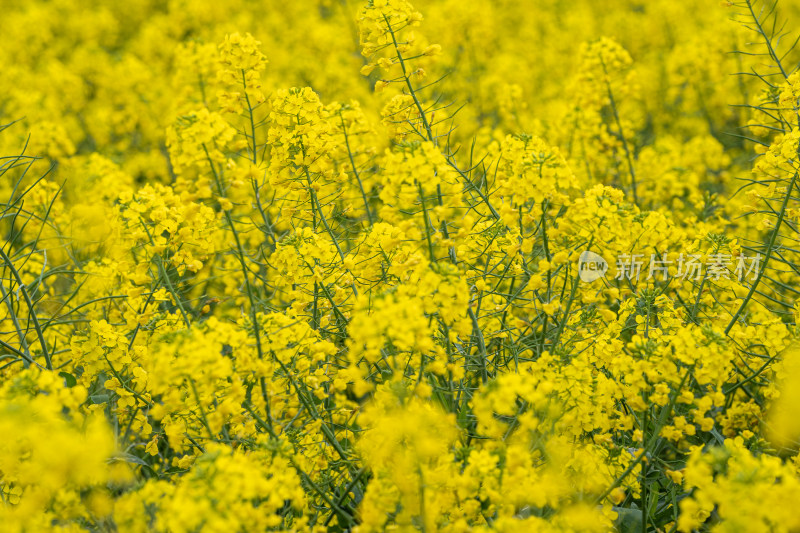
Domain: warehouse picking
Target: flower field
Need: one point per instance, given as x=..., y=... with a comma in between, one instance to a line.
x=364, y=266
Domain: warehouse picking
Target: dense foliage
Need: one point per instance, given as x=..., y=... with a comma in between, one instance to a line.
x=308, y=266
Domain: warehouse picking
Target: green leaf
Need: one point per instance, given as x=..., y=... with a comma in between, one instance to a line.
x=69, y=379
x=130, y=458
x=628, y=520
x=99, y=398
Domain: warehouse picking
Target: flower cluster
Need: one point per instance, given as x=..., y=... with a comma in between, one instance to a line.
x=240, y=291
